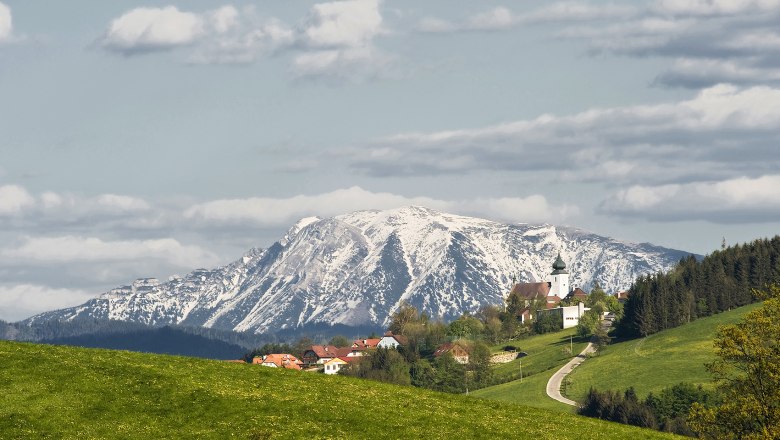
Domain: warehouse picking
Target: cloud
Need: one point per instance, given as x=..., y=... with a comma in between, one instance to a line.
x=739, y=200
x=6, y=23
x=71, y=249
x=502, y=18
x=336, y=40
x=709, y=41
x=153, y=29
x=339, y=42
x=284, y=211
x=21, y=301
x=352, y=23
x=727, y=131
x=14, y=199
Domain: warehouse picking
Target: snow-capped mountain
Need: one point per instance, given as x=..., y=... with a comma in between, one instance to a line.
x=356, y=269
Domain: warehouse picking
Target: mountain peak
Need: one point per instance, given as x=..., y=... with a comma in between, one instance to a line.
x=355, y=269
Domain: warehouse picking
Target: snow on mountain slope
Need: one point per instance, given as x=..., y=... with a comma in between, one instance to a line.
x=357, y=269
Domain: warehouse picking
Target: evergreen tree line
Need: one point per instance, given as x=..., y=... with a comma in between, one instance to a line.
x=668, y=411
x=721, y=281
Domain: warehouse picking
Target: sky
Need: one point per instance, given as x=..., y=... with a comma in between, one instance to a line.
x=149, y=139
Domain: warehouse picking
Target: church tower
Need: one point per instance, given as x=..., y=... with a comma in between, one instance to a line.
x=559, y=282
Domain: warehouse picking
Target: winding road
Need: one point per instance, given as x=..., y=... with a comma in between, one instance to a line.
x=554, y=384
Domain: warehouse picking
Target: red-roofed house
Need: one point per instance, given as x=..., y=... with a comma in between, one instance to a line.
x=281, y=360
x=458, y=352
x=622, y=297
x=577, y=295
x=319, y=354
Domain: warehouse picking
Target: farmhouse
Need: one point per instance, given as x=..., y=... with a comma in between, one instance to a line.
x=458, y=352
x=389, y=340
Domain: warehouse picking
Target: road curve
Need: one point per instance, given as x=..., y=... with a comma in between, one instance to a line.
x=554, y=384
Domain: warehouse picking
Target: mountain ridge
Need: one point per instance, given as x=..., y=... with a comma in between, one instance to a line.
x=357, y=268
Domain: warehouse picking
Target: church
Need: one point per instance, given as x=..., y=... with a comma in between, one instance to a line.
x=552, y=292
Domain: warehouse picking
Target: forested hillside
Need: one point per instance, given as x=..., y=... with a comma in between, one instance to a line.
x=721, y=281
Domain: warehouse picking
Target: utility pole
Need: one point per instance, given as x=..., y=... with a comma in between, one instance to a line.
x=521, y=371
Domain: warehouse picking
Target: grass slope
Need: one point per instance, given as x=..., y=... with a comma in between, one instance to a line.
x=67, y=392
x=546, y=353
x=658, y=361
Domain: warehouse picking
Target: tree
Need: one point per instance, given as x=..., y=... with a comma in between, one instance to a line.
x=405, y=315
x=548, y=322
x=340, y=341
x=588, y=323
x=747, y=373
x=479, y=364
x=465, y=327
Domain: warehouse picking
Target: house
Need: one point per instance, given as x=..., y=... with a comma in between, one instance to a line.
x=319, y=354
x=577, y=295
x=279, y=360
x=570, y=315
x=389, y=340
x=360, y=346
x=334, y=365
x=458, y=352
x=622, y=297
x=366, y=344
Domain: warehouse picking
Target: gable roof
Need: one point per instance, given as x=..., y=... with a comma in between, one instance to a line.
x=447, y=347
x=531, y=291
x=577, y=294
x=363, y=344
x=400, y=338
x=283, y=360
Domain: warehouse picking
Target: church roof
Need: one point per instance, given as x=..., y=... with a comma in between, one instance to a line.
x=559, y=266
x=531, y=291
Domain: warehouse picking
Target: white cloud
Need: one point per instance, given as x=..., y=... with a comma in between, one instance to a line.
x=352, y=23
x=14, y=199
x=284, y=211
x=502, y=18
x=714, y=7
x=21, y=301
x=497, y=18
x=727, y=131
x=735, y=200
x=72, y=249
x=152, y=29
x=335, y=41
x=339, y=38
x=6, y=23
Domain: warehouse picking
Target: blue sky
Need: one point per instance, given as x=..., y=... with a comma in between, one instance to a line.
x=147, y=139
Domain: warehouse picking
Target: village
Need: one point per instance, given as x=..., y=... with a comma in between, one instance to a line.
x=554, y=302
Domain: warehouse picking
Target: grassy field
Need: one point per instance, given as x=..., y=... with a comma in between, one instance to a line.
x=531, y=392
x=658, y=361
x=546, y=353
x=66, y=392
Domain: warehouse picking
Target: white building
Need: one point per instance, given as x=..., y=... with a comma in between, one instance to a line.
x=570, y=315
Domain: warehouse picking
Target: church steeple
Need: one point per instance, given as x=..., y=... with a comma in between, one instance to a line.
x=559, y=266
x=559, y=284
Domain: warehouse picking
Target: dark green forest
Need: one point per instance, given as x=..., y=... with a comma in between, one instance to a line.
x=720, y=281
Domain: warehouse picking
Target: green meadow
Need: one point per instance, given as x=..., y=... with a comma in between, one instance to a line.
x=656, y=362
x=66, y=392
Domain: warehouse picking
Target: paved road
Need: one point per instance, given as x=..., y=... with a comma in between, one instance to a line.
x=554, y=384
